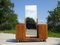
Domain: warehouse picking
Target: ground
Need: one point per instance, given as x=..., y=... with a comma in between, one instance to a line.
x=9, y=39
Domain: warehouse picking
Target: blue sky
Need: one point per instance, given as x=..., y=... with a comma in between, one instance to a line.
x=42, y=8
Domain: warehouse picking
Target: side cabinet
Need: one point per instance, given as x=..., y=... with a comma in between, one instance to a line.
x=42, y=31
x=20, y=32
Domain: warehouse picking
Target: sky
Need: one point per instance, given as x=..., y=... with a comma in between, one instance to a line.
x=42, y=8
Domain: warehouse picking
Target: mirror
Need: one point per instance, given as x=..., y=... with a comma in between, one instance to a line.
x=31, y=20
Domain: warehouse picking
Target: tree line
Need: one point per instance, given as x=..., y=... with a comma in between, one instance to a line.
x=53, y=19
x=8, y=19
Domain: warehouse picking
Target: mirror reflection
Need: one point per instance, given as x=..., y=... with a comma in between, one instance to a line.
x=31, y=20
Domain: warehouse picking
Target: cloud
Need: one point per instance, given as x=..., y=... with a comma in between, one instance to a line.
x=21, y=21
x=39, y=21
x=42, y=21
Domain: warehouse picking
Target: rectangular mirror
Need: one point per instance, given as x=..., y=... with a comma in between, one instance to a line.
x=31, y=20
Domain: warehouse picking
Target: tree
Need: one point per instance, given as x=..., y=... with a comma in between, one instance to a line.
x=30, y=23
x=8, y=19
x=53, y=19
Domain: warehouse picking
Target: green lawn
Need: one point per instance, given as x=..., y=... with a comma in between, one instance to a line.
x=53, y=34
x=8, y=31
x=50, y=34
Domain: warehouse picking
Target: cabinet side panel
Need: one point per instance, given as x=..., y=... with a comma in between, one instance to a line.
x=43, y=31
x=20, y=32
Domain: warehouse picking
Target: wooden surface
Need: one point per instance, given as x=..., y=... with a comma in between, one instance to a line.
x=42, y=32
x=20, y=32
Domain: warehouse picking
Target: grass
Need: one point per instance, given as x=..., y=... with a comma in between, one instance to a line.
x=53, y=34
x=50, y=34
x=8, y=31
